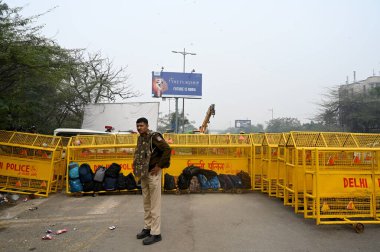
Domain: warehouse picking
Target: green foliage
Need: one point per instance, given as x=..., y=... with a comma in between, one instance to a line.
x=30, y=67
x=45, y=85
x=320, y=127
x=91, y=79
x=167, y=123
x=253, y=129
x=328, y=115
x=353, y=112
x=284, y=124
x=360, y=112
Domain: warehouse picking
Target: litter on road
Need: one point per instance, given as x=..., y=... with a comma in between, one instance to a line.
x=61, y=231
x=47, y=237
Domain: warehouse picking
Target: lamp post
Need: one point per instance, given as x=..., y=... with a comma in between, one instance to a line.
x=272, y=112
x=184, y=53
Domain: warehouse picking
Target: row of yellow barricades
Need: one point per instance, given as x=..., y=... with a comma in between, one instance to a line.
x=227, y=154
x=332, y=177
x=37, y=164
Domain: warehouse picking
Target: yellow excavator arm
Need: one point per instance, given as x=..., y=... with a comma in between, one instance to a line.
x=206, y=121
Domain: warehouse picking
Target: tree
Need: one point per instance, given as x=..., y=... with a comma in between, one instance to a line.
x=318, y=126
x=252, y=129
x=359, y=112
x=328, y=116
x=354, y=112
x=284, y=124
x=30, y=68
x=167, y=123
x=93, y=79
x=43, y=84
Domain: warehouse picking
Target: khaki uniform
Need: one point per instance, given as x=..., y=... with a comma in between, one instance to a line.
x=151, y=185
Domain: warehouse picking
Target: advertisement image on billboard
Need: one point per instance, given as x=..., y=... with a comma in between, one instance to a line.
x=171, y=84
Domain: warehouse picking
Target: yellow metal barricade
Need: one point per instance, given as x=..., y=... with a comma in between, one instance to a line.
x=366, y=140
x=295, y=166
x=281, y=166
x=270, y=156
x=376, y=181
x=257, y=160
x=290, y=179
x=344, y=186
x=62, y=170
x=30, y=163
x=102, y=150
x=224, y=154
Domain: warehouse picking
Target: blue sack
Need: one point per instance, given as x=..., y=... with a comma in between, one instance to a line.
x=75, y=185
x=73, y=170
x=203, y=181
x=214, y=183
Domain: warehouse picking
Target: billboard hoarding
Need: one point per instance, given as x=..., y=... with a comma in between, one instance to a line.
x=242, y=123
x=172, y=84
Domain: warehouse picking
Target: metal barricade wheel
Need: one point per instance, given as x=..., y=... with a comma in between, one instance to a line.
x=239, y=191
x=359, y=228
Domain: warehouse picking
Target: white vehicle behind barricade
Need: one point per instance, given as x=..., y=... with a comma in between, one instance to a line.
x=69, y=132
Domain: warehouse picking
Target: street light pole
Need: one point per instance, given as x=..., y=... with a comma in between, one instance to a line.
x=184, y=53
x=272, y=112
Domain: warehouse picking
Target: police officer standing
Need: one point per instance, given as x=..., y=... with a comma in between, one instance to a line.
x=152, y=154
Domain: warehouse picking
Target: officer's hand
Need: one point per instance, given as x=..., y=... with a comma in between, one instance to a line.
x=155, y=170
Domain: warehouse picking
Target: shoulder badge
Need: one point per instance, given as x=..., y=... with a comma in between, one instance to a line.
x=159, y=138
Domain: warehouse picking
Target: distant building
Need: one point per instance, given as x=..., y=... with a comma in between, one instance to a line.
x=359, y=105
x=359, y=87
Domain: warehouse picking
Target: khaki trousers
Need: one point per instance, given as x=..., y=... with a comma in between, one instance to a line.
x=151, y=191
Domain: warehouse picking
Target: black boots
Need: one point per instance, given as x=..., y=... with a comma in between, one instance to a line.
x=149, y=239
x=144, y=233
x=152, y=239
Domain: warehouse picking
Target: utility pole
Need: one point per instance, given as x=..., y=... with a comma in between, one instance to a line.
x=272, y=112
x=184, y=53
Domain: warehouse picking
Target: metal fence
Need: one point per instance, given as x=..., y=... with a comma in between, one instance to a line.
x=269, y=163
x=281, y=166
x=227, y=153
x=345, y=185
x=296, y=182
x=31, y=163
x=257, y=160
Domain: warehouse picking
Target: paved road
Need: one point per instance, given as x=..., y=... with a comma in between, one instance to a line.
x=196, y=222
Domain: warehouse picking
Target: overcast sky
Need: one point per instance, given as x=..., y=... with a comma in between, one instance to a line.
x=254, y=55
